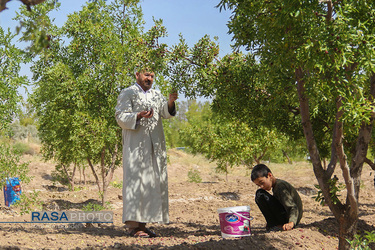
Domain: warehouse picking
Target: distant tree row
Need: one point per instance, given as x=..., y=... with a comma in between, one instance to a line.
x=228, y=142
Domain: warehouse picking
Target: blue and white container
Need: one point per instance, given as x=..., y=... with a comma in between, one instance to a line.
x=12, y=191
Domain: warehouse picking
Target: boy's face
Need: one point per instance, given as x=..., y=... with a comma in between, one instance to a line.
x=264, y=182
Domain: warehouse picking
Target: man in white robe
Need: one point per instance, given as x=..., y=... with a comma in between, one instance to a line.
x=145, y=185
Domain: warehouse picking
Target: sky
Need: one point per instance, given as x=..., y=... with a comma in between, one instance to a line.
x=191, y=18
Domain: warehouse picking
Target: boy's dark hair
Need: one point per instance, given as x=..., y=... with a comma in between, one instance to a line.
x=259, y=170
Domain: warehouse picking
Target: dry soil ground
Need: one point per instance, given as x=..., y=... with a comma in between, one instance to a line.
x=194, y=221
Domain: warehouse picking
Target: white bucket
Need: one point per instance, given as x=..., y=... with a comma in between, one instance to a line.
x=235, y=221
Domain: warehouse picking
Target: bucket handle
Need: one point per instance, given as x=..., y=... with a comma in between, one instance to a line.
x=251, y=218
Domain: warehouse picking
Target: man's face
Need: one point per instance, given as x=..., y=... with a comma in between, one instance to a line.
x=145, y=79
x=264, y=182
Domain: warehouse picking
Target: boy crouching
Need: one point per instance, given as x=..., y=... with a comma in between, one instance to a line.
x=283, y=209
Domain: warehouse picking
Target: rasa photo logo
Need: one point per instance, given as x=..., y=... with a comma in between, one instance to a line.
x=72, y=217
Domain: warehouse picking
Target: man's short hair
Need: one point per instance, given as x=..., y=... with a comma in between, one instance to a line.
x=141, y=70
x=259, y=170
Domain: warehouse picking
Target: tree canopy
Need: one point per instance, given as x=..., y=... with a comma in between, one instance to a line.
x=10, y=59
x=81, y=71
x=228, y=142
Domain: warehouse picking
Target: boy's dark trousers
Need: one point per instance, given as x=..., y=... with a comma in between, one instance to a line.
x=271, y=208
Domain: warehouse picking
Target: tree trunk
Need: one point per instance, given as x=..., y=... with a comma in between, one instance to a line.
x=256, y=159
x=104, y=184
x=94, y=173
x=286, y=155
x=73, y=175
x=105, y=174
x=70, y=178
x=104, y=194
x=346, y=215
x=352, y=176
x=84, y=175
x=347, y=230
x=323, y=175
x=80, y=175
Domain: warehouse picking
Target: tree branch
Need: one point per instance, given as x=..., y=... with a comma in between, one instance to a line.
x=94, y=173
x=335, y=139
x=306, y=122
x=3, y=4
x=29, y=3
x=370, y=163
x=329, y=11
x=32, y=2
x=112, y=168
x=321, y=175
x=70, y=179
x=339, y=134
x=363, y=141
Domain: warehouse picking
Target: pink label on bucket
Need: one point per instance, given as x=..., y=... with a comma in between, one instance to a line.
x=235, y=225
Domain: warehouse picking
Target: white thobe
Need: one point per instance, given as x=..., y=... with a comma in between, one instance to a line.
x=145, y=182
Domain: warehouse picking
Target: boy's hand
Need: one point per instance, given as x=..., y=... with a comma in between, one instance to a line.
x=288, y=226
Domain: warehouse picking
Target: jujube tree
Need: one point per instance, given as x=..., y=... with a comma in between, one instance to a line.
x=316, y=75
x=80, y=73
